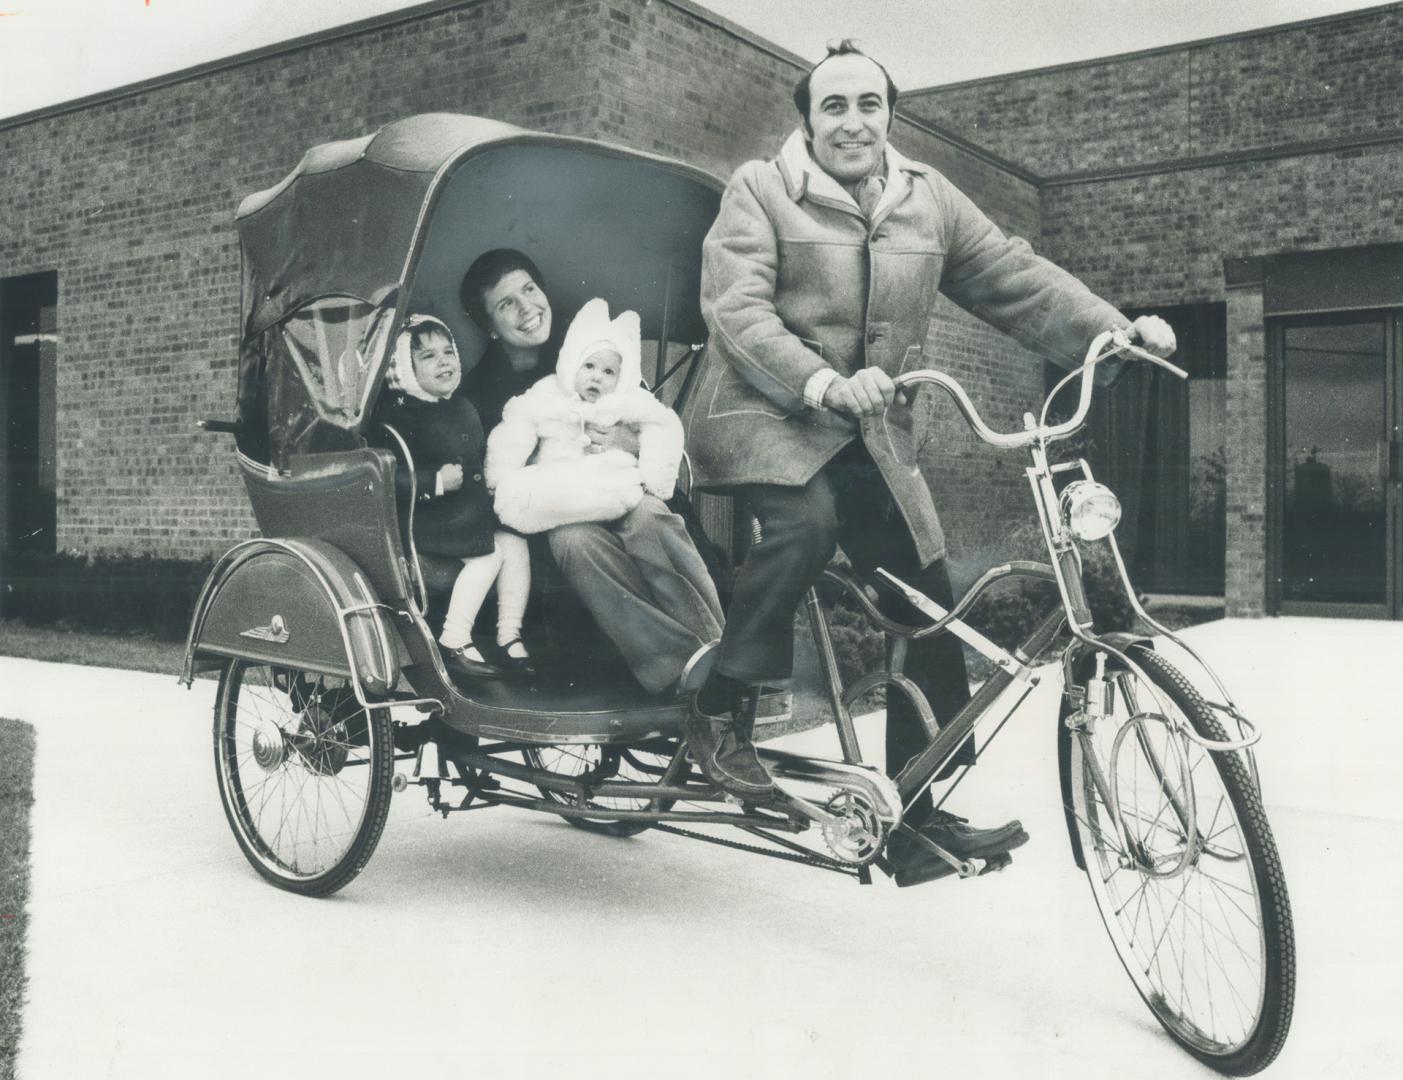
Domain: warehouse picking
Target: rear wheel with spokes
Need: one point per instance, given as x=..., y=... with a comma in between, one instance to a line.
x=644, y=766
x=1184, y=868
x=304, y=774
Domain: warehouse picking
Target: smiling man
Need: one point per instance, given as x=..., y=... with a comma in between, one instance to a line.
x=819, y=283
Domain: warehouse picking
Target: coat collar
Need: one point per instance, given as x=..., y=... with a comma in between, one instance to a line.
x=803, y=176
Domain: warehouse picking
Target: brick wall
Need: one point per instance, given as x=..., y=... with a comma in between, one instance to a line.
x=1157, y=167
x=1299, y=83
x=1246, y=570
x=130, y=199
x=1162, y=239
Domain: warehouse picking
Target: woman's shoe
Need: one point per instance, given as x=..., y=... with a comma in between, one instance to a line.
x=517, y=665
x=466, y=663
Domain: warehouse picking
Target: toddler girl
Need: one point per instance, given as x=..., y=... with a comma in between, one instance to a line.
x=454, y=513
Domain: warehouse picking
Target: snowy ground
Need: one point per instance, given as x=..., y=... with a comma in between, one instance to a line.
x=508, y=944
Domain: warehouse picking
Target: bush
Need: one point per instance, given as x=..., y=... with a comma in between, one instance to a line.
x=122, y=594
x=1010, y=610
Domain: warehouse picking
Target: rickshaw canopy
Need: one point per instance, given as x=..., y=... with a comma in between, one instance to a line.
x=364, y=231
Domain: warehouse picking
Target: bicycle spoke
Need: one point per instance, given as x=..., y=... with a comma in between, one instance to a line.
x=1194, y=934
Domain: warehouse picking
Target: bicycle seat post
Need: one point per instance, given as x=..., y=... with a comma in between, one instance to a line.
x=832, y=679
x=897, y=647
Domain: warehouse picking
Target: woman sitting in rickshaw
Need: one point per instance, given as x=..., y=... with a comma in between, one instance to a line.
x=639, y=575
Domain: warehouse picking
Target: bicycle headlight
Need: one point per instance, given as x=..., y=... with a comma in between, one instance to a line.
x=1090, y=510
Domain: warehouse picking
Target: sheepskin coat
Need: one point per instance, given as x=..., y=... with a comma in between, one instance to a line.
x=796, y=280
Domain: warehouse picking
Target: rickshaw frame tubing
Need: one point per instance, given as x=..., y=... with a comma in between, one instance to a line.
x=720, y=817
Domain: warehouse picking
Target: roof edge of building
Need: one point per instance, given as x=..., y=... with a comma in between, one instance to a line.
x=250, y=56
x=1157, y=50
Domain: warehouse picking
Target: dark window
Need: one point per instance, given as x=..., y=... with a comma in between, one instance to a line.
x=1160, y=443
x=28, y=451
x=1334, y=458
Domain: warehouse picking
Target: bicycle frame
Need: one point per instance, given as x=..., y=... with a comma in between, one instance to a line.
x=1065, y=569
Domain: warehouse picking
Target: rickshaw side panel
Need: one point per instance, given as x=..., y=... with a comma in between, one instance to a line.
x=346, y=499
x=296, y=604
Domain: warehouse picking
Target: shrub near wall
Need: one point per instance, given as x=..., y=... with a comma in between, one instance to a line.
x=118, y=594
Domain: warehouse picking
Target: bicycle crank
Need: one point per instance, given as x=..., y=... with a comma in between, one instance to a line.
x=856, y=819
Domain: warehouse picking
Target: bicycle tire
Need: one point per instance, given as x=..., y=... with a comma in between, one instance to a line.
x=304, y=774
x=1238, y=1033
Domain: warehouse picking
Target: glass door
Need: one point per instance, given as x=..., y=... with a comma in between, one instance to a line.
x=1337, y=465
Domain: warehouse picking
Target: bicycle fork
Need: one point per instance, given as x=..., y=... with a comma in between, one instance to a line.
x=1097, y=704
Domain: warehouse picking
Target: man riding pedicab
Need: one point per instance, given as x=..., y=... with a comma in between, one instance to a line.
x=819, y=282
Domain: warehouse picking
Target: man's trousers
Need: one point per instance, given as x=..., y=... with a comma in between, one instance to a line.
x=846, y=503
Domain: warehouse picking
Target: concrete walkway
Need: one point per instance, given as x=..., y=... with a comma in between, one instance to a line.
x=510, y=945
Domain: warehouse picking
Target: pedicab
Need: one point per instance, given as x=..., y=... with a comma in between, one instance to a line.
x=333, y=697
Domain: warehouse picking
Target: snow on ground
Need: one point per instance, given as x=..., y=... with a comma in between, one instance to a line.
x=511, y=945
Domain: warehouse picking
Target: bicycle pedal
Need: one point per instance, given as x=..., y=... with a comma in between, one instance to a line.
x=995, y=863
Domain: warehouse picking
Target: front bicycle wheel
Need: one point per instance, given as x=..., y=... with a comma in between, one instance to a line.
x=1183, y=868
x=304, y=774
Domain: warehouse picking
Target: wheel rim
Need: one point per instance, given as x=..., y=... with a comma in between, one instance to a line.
x=1177, y=889
x=294, y=766
x=642, y=766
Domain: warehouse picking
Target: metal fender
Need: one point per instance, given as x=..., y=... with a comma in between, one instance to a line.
x=1076, y=665
x=295, y=603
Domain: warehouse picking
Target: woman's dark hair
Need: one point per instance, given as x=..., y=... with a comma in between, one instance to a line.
x=846, y=47
x=488, y=269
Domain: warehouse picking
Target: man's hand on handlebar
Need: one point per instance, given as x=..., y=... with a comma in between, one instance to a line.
x=868, y=393
x=1154, y=335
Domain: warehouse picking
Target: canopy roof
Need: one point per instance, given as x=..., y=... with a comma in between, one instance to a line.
x=366, y=230
x=343, y=222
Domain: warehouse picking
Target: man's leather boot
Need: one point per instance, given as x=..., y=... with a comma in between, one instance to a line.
x=724, y=751
x=913, y=862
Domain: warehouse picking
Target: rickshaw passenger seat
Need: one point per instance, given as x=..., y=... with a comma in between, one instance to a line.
x=346, y=498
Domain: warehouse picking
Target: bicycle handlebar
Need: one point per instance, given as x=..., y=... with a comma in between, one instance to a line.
x=1096, y=353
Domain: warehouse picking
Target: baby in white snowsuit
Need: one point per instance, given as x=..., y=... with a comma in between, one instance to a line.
x=561, y=427
x=555, y=465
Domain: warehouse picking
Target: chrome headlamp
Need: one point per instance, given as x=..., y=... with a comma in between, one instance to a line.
x=1090, y=510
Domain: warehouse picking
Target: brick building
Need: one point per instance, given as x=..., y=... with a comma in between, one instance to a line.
x=1252, y=187
x=1229, y=181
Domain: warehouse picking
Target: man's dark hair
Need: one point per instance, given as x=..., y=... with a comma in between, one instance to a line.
x=846, y=47
x=487, y=269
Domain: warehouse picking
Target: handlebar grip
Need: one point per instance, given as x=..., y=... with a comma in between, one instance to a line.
x=228, y=427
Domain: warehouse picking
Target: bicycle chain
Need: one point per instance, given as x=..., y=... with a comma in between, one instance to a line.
x=790, y=856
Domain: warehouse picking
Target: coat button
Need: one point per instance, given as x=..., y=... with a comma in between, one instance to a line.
x=477, y=477
x=873, y=336
x=879, y=236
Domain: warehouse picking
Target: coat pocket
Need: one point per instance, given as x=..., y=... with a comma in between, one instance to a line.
x=734, y=395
